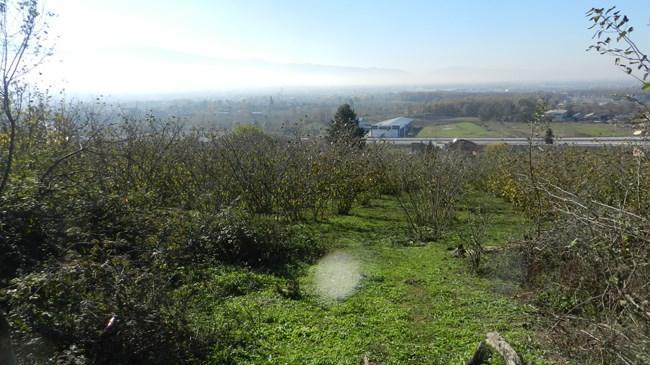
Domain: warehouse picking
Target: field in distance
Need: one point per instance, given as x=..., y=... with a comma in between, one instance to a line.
x=474, y=127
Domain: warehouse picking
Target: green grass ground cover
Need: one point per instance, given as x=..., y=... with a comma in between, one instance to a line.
x=476, y=128
x=414, y=304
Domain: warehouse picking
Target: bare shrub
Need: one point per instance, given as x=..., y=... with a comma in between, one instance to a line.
x=431, y=183
x=589, y=264
x=250, y=160
x=348, y=175
x=474, y=237
x=591, y=268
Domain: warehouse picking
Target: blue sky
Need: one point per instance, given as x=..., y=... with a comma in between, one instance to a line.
x=145, y=46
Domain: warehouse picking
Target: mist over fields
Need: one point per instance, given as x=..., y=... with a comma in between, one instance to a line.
x=127, y=48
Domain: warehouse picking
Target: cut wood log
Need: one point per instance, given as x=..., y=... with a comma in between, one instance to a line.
x=500, y=345
x=495, y=343
x=7, y=356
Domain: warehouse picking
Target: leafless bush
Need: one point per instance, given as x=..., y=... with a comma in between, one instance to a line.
x=592, y=267
x=589, y=262
x=475, y=236
x=431, y=183
x=250, y=158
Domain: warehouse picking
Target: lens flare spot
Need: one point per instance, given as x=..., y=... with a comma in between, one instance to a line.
x=337, y=275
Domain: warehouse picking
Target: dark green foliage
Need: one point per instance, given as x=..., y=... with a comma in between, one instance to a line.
x=22, y=232
x=344, y=127
x=69, y=307
x=233, y=238
x=67, y=302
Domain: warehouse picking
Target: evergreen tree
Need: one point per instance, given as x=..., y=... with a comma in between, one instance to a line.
x=344, y=127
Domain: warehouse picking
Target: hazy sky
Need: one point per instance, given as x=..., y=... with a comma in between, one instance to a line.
x=116, y=46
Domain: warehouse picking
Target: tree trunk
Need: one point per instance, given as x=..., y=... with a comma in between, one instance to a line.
x=7, y=356
x=500, y=345
x=12, y=147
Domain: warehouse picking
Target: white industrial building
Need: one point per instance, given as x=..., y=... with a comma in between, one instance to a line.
x=392, y=128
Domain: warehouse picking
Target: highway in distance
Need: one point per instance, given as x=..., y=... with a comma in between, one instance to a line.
x=517, y=141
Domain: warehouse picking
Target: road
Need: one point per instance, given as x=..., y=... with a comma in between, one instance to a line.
x=577, y=141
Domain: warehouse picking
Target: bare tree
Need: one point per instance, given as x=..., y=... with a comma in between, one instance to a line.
x=23, y=30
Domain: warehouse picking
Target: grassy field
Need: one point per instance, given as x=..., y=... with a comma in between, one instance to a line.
x=411, y=304
x=472, y=127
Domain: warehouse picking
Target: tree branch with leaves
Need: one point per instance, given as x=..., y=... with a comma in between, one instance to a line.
x=612, y=33
x=627, y=55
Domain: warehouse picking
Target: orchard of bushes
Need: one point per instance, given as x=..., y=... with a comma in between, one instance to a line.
x=104, y=229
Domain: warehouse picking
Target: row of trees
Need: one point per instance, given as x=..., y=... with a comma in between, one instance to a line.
x=500, y=108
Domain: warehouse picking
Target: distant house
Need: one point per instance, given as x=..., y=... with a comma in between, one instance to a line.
x=557, y=115
x=392, y=128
